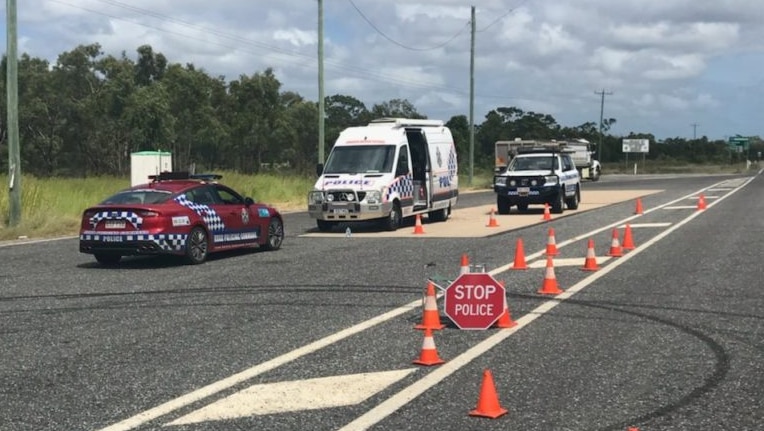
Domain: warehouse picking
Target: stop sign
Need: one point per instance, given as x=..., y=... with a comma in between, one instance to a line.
x=474, y=300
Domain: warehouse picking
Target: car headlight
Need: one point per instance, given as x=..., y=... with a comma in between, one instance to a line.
x=513, y=183
x=373, y=197
x=552, y=179
x=534, y=182
x=315, y=197
x=500, y=181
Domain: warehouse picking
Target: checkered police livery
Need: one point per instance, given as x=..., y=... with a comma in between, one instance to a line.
x=165, y=242
x=211, y=218
x=452, y=166
x=130, y=216
x=403, y=186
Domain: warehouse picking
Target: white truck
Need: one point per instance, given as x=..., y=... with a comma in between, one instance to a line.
x=581, y=151
x=388, y=170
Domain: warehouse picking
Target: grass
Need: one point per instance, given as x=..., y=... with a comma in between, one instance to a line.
x=52, y=207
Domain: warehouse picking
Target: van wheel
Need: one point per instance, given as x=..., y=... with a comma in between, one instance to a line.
x=503, y=204
x=325, y=226
x=559, y=201
x=572, y=203
x=596, y=175
x=393, y=220
x=439, y=215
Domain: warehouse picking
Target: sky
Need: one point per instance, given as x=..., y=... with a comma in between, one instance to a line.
x=673, y=68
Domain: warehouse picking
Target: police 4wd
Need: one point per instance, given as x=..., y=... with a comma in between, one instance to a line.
x=537, y=176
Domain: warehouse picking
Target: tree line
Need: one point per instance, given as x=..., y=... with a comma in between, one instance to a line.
x=86, y=114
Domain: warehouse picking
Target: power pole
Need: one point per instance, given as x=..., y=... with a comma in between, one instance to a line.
x=602, y=94
x=321, y=102
x=472, y=98
x=14, y=159
x=694, y=130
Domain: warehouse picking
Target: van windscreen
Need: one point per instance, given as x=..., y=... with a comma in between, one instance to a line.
x=360, y=159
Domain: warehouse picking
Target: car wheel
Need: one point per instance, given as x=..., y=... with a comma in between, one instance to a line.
x=522, y=207
x=572, y=203
x=107, y=258
x=559, y=202
x=596, y=175
x=503, y=205
x=439, y=215
x=325, y=226
x=197, y=246
x=275, y=235
x=393, y=220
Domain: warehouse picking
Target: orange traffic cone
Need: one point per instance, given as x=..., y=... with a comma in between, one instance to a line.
x=430, y=314
x=547, y=214
x=628, y=241
x=464, y=267
x=701, y=202
x=519, y=256
x=488, y=402
x=418, y=228
x=505, y=320
x=633, y=429
x=551, y=244
x=590, y=263
x=492, y=220
x=429, y=354
x=550, y=287
x=639, y=210
x=615, y=245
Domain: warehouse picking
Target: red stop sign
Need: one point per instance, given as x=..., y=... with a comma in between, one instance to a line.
x=474, y=301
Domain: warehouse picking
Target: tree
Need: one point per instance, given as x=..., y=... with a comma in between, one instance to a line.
x=395, y=108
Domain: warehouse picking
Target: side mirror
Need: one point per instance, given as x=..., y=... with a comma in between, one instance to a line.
x=319, y=169
x=249, y=201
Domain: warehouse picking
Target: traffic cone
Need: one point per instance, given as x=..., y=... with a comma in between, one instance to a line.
x=464, y=267
x=488, y=401
x=547, y=214
x=505, y=320
x=492, y=220
x=628, y=241
x=418, y=228
x=633, y=429
x=519, y=256
x=550, y=287
x=551, y=244
x=429, y=354
x=639, y=210
x=430, y=314
x=590, y=263
x=701, y=202
x=615, y=245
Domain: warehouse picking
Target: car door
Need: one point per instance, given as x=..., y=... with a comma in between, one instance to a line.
x=243, y=227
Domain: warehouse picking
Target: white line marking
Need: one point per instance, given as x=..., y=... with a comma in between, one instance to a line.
x=572, y=261
x=681, y=207
x=392, y=404
x=13, y=242
x=638, y=225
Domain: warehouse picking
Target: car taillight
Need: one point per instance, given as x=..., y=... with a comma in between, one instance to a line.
x=89, y=214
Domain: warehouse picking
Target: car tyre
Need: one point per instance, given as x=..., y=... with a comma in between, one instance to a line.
x=559, y=202
x=325, y=226
x=440, y=215
x=275, y=235
x=393, y=220
x=197, y=246
x=108, y=259
x=522, y=207
x=573, y=202
x=503, y=205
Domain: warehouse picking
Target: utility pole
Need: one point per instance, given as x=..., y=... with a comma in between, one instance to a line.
x=602, y=94
x=694, y=130
x=14, y=159
x=321, y=102
x=472, y=98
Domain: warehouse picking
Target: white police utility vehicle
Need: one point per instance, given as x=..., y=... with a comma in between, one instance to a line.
x=537, y=176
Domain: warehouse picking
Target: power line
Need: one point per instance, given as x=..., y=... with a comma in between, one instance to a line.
x=500, y=17
x=395, y=42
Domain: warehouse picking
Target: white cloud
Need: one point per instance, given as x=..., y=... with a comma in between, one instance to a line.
x=664, y=61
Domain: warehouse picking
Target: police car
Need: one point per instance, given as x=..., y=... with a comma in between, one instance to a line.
x=539, y=175
x=178, y=214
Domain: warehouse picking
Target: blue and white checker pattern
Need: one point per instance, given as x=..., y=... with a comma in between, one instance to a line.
x=211, y=218
x=452, y=168
x=166, y=242
x=130, y=216
x=403, y=186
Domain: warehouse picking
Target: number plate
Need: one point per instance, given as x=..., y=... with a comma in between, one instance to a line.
x=523, y=191
x=341, y=211
x=115, y=224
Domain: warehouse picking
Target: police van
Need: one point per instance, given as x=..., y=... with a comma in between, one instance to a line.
x=388, y=170
x=538, y=175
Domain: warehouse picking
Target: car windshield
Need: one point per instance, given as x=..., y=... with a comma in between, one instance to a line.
x=128, y=197
x=360, y=159
x=533, y=164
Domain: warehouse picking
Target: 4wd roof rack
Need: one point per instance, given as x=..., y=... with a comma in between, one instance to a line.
x=183, y=175
x=544, y=149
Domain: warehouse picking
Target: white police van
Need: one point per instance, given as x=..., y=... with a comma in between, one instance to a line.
x=538, y=175
x=391, y=169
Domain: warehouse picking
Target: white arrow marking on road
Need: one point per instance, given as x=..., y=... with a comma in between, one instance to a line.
x=298, y=395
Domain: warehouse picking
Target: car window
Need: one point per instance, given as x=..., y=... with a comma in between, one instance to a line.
x=139, y=196
x=228, y=196
x=567, y=164
x=203, y=195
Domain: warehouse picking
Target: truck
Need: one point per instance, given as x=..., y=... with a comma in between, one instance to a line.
x=582, y=152
x=386, y=171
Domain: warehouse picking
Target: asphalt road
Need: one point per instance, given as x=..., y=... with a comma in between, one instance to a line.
x=319, y=335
